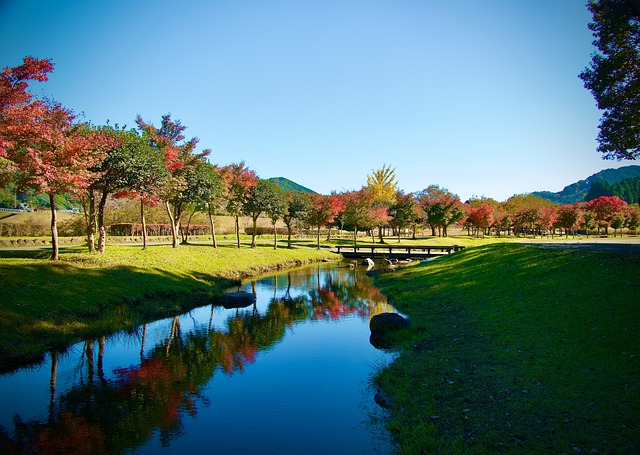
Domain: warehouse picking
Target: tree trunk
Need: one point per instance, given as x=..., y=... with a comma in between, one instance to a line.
x=288, y=235
x=52, y=383
x=318, y=236
x=238, y=231
x=355, y=235
x=102, y=239
x=144, y=225
x=54, y=228
x=253, y=233
x=175, y=327
x=89, y=354
x=275, y=237
x=101, y=343
x=142, y=340
x=213, y=228
x=174, y=228
x=91, y=221
x=186, y=235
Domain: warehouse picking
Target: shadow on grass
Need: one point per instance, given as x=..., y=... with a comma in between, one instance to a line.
x=518, y=349
x=47, y=305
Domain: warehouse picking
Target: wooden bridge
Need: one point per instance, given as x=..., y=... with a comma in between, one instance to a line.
x=395, y=251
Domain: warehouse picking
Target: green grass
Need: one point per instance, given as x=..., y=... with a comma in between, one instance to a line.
x=517, y=349
x=46, y=305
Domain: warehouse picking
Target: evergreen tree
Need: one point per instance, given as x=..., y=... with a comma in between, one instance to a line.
x=598, y=189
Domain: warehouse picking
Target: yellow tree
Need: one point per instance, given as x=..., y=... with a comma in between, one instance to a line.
x=383, y=186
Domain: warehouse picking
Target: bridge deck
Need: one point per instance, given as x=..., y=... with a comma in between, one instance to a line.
x=395, y=251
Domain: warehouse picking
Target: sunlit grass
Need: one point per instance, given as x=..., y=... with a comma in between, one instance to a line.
x=45, y=304
x=518, y=349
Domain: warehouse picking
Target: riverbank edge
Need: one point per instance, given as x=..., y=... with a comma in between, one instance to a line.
x=502, y=354
x=28, y=334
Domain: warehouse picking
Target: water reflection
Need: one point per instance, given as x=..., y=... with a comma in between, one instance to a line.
x=144, y=390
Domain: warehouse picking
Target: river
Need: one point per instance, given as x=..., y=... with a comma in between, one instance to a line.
x=288, y=374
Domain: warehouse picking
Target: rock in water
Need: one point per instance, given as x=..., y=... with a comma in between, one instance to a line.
x=382, y=399
x=380, y=341
x=387, y=322
x=238, y=299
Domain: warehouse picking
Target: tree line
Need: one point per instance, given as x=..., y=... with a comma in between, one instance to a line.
x=44, y=149
x=627, y=189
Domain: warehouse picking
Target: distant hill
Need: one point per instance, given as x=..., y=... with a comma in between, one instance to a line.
x=576, y=192
x=289, y=185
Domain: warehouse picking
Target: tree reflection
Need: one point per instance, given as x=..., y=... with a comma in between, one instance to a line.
x=121, y=410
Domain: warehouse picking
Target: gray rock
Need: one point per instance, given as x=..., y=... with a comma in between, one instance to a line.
x=238, y=299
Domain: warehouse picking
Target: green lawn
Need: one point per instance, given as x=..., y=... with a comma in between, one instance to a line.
x=48, y=305
x=517, y=349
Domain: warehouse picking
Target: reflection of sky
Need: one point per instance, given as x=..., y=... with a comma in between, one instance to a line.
x=326, y=399
x=314, y=377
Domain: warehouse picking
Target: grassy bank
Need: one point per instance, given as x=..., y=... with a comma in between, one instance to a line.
x=517, y=349
x=47, y=305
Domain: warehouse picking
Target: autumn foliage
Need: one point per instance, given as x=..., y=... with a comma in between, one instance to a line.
x=45, y=150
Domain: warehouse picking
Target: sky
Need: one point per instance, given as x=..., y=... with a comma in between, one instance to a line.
x=479, y=97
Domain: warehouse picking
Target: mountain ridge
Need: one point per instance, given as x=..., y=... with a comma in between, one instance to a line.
x=576, y=192
x=289, y=185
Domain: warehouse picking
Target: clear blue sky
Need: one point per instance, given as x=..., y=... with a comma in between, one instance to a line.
x=482, y=98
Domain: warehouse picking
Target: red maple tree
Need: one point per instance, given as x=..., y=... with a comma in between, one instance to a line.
x=14, y=98
x=179, y=157
x=604, y=208
x=47, y=151
x=481, y=218
x=323, y=210
x=238, y=181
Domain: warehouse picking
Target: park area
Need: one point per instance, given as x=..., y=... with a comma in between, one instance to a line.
x=516, y=345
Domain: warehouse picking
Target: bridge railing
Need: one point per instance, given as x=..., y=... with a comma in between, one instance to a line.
x=406, y=249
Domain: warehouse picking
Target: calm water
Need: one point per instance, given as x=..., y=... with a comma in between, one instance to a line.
x=290, y=374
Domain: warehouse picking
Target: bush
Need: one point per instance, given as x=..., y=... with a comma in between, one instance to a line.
x=76, y=227
x=264, y=230
x=24, y=229
x=69, y=228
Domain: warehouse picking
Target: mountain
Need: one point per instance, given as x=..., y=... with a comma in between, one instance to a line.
x=577, y=191
x=289, y=185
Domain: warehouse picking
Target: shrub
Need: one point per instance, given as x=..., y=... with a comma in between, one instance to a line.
x=265, y=230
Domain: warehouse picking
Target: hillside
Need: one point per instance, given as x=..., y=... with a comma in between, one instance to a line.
x=577, y=191
x=289, y=185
